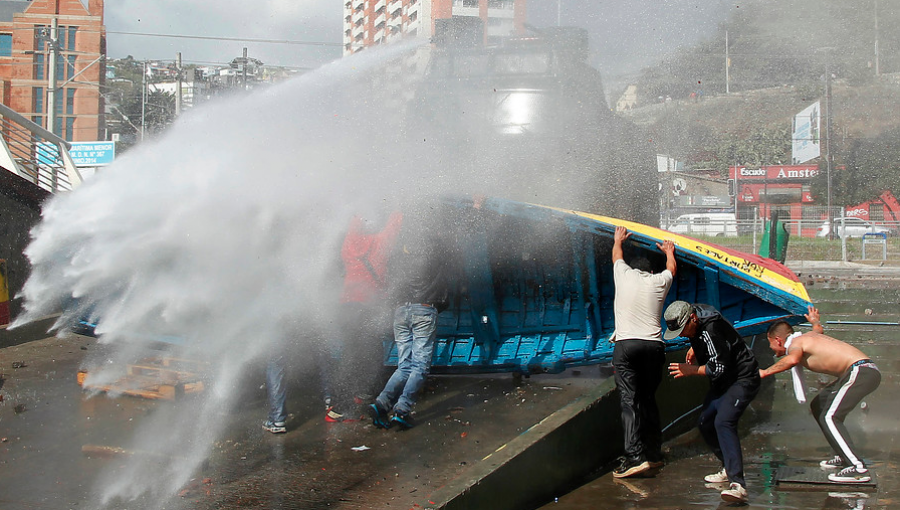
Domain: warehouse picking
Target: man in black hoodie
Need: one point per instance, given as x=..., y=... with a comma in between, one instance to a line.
x=418, y=280
x=719, y=353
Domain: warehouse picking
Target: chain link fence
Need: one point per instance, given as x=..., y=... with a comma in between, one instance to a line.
x=809, y=239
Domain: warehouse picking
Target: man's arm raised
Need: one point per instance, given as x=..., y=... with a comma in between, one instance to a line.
x=813, y=318
x=668, y=247
x=620, y=235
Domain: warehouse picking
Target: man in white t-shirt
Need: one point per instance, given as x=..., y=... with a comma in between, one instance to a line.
x=639, y=355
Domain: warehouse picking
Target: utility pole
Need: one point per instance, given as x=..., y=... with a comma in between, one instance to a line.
x=244, y=70
x=143, y=101
x=178, y=86
x=727, y=63
x=53, y=46
x=828, y=136
x=877, y=67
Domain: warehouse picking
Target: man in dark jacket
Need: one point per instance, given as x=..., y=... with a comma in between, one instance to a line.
x=719, y=353
x=418, y=276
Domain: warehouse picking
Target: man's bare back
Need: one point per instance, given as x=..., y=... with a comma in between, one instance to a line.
x=824, y=354
x=815, y=350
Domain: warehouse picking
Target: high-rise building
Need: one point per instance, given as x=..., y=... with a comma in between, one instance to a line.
x=371, y=22
x=26, y=50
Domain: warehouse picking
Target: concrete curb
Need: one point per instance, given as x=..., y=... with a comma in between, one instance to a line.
x=37, y=330
x=564, y=449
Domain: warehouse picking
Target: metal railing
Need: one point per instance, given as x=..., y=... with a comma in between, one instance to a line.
x=35, y=154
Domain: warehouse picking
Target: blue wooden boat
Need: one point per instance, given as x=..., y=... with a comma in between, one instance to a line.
x=537, y=291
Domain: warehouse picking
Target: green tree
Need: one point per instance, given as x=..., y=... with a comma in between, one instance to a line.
x=155, y=113
x=872, y=165
x=763, y=146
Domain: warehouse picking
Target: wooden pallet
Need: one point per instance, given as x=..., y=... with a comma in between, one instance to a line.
x=154, y=378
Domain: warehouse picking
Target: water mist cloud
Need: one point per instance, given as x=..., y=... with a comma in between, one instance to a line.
x=224, y=233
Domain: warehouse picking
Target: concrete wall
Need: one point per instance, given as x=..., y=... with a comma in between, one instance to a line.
x=577, y=443
x=566, y=449
x=18, y=214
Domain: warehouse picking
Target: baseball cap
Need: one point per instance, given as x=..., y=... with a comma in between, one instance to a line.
x=677, y=316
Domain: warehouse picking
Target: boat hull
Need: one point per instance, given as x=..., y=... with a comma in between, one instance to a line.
x=536, y=294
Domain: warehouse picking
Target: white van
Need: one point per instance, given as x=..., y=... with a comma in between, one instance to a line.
x=705, y=224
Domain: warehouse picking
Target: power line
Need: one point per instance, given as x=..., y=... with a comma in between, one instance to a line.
x=236, y=39
x=82, y=30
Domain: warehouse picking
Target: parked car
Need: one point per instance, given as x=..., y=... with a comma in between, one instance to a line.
x=853, y=227
x=706, y=224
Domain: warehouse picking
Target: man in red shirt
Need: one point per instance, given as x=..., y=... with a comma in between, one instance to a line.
x=363, y=317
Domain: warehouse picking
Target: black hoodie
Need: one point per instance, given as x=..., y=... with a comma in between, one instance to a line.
x=720, y=347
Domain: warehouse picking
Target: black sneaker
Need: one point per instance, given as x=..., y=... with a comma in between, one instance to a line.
x=379, y=417
x=850, y=475
x=631, y=467
x=403, y=420
x=835, y=462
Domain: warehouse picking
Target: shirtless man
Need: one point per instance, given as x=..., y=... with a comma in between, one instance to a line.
x=857, y=376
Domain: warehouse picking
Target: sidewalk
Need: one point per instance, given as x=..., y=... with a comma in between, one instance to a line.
x=811, y=272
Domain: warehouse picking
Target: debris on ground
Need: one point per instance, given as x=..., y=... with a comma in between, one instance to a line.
x=360, y=448
x=19, y=364
x=93, y=450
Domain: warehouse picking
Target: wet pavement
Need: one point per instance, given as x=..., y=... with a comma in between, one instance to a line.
x=58, y=442
x=790, y=437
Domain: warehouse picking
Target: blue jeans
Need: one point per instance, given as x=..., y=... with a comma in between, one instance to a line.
x=415, y=326
x=276, y=390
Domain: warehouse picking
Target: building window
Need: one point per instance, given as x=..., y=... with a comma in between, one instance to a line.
x=60, y=67
x=37, y=100
x=70, y=66
x=70, y=101
x=5, y=45
x=70, y=43
x=39, y=66
x=70, y=129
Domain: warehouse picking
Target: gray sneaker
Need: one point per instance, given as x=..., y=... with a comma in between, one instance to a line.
x=276, y=427
x=833, y=463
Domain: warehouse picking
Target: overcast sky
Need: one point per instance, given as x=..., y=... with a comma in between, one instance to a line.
x=625, y=34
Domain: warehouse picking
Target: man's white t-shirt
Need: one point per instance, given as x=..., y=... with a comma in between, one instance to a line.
x=639, y=302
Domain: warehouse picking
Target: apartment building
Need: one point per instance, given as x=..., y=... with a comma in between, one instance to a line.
x=26, y=39
x=371, y=22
